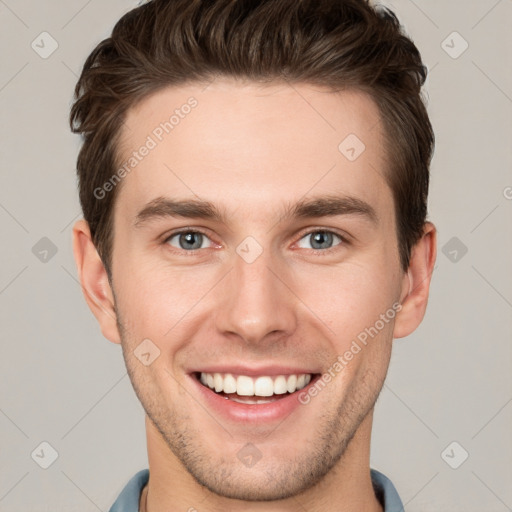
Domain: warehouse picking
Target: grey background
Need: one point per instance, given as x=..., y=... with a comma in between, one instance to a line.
x=63, y=383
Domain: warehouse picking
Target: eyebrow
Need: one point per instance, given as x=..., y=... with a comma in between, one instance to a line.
x=322, y=206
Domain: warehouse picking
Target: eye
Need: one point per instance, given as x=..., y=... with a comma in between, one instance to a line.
x=188, y=240
x=319, y=240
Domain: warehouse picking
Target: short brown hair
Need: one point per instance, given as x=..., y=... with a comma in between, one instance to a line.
x=334, y=43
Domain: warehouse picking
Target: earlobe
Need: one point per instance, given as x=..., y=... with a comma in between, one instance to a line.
x=94, y=281
x=416, y=283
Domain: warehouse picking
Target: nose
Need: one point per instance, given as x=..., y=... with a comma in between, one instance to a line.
x=255, y=303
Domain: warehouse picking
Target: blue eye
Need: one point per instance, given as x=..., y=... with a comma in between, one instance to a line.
x=319, y=240
x=188, y=240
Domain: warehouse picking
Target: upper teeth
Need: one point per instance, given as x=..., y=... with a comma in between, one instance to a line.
x=244, y=385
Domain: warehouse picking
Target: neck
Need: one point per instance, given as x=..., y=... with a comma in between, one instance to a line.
x=346, y=488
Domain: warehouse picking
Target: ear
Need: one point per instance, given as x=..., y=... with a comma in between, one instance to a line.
x=94, y=280
x=416, y=283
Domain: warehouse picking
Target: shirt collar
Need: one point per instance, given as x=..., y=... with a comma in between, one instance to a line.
x=128, y=500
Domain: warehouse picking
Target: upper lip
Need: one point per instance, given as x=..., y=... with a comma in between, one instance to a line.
x=254, y=371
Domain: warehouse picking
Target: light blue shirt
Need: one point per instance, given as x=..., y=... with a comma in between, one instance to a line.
x=128, y=500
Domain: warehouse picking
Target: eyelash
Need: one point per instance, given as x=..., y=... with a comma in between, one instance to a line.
x=344, y=240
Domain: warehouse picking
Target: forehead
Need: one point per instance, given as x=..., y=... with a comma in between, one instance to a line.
x=239, y=144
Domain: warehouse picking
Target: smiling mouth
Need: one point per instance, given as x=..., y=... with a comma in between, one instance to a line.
x=254, y=390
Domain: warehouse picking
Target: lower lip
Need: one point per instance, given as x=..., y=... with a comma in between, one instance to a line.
x=251, y=413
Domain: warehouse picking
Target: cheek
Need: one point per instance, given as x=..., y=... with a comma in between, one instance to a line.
x=350, y=298
x=157, y=298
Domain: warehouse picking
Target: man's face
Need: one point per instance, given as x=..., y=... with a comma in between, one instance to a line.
x=256, y=290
